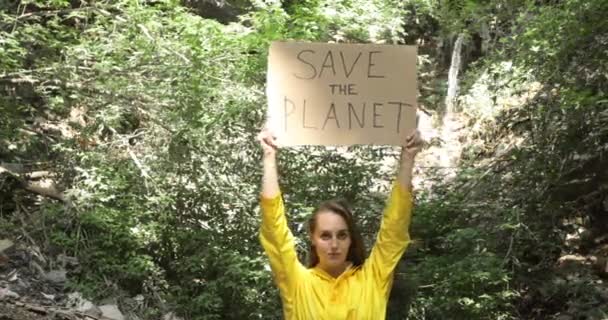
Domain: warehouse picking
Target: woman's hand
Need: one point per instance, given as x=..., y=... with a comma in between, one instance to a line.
x=270, y=177
x=413, y=145
x=268, y=141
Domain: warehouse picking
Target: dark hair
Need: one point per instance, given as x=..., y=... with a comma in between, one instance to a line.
x=356, y=252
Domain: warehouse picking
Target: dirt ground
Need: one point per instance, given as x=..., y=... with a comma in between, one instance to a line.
x=12, y=312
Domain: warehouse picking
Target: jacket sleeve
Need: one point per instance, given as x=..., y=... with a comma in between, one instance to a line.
x=278, y=243
x=393, y=238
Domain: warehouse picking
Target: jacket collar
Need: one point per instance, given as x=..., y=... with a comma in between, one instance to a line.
x=350, y=269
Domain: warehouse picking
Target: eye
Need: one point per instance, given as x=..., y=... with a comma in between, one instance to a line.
x=343, y=235
x=325, y=236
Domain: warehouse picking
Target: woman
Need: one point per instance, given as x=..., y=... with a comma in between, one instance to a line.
x=339, y=283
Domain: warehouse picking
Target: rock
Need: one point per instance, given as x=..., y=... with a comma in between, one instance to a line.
x=7, y=294
x=86, y=305
x=572, y=257
x=111, y=312
x=74, y=298
x=76, y=301
x=93, y=311
x=21, y=285
x=56, y=276
x=564, y=317
x=108, y=301
x=13, y=276
x=12, y=167
x=34, y=266
x=35, y=252
x=171, y=316
x=48, y=296
x=138, y=302
x=5, y=244
x=67, y=260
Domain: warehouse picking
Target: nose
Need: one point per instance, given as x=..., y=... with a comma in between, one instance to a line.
x=334, y=243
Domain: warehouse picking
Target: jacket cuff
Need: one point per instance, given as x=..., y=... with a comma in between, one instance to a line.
x=401, y=191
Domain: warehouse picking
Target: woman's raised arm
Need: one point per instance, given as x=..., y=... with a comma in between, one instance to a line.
x=413, y=144
x=393, y=237
x=270, y=178
x=275, y=236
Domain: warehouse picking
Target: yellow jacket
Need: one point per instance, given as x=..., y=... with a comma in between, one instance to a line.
x=358, y=293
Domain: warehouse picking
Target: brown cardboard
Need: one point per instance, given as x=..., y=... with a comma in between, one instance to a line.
x=341, y=94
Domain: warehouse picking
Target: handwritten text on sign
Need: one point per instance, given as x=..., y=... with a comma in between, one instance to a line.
x=341, y=94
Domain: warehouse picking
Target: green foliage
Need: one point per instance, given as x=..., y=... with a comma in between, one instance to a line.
x=473, y=286
x=161, y=160
x=458, y=267
x=575, y=51
x=536, y=114
x=147, y=114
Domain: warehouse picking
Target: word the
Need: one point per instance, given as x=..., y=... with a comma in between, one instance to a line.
x=343, y=89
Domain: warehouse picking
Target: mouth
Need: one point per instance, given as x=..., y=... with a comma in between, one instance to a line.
x=333, y=255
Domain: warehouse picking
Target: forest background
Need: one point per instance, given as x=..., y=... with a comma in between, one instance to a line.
x=129, y=160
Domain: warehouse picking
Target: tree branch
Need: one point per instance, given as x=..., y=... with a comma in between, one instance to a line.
x=46, y=187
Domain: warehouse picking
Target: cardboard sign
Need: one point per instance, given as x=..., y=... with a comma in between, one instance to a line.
x=341, y=94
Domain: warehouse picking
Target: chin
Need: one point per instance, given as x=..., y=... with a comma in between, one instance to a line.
x=335, y=262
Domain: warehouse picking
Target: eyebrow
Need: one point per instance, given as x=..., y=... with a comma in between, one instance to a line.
x=341, y=230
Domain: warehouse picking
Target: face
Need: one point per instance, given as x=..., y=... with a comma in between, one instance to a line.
x=331, y=240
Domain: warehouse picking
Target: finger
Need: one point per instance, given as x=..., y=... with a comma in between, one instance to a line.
x=416, y=134
x=271, y=137
x=270, y=142
x=417, y=141
x=408, y=140
x=413, y=135
x=413, y=150
x=266, y=134
x=414, y=146
x=267, y=140
x=413, y=141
